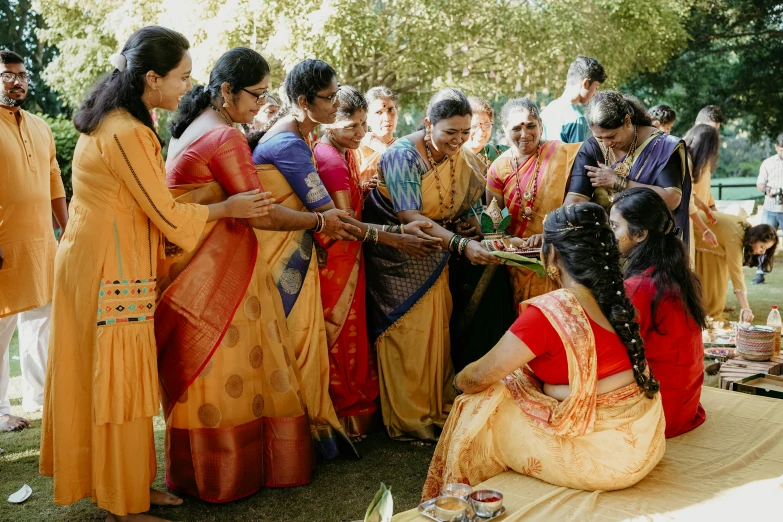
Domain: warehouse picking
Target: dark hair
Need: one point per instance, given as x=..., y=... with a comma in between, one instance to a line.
x=272, y=100
x=662, y=250
x=585, y=68
x=588, y=249
x=762, y=233
x=479, y=105
x=9, y=57
x=703, y=145
x=306, y=79
x=446, y=104
x=241, y=67
x=663, y=114
x=151, y=48
x=608, y=109
x=351, y=100
x=253, y=137
x=381, y=93
x=779, y=140
x=710, y=113
x=518, y=104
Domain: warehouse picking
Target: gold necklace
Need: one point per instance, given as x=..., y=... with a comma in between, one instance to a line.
x=529, y=196
x=221, y=115
x=453, y=166
x=623, y=168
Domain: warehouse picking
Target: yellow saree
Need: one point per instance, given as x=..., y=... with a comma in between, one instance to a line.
x=241, y=422
x=556, y=158
x=409, y=303
x=294, y=266
x=588, y=441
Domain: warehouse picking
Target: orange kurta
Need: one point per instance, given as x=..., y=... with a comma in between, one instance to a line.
x=30, y=181
x=102, y=378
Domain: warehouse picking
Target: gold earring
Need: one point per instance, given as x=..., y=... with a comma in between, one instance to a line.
x=149, y=98
x=553, y=272
x=226, y=105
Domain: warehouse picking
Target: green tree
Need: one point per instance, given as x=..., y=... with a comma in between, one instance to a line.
x=19, y=25
x=487, y=47
x=734, y=59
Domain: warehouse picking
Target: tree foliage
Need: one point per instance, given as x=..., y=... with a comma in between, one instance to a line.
x=487, y=47
x=734, y=59
x=18, y=32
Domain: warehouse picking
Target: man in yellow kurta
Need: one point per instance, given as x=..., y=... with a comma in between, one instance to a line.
x=31, y=190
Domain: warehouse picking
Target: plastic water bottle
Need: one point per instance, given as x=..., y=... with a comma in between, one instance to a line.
x=773, y=321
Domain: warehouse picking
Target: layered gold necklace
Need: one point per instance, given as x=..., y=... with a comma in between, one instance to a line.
x=438, y=185
x=528, y=197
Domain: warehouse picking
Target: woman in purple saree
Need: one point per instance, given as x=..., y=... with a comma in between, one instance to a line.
x=626, y=151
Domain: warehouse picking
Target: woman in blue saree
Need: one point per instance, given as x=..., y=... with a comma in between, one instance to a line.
x=626, y=151
x=427, y=176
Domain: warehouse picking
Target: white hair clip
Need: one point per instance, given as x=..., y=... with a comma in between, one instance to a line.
x=119, y=61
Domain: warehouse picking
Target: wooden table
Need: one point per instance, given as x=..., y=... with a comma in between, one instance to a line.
x=737, y=369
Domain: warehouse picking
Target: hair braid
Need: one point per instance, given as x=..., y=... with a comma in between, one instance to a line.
x=580, y=235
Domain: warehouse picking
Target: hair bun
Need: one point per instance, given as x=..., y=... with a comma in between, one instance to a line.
x=119, y=61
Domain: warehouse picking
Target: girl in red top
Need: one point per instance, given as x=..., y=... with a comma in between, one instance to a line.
x=667, y=296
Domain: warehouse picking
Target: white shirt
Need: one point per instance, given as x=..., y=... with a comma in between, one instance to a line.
x=771, y=175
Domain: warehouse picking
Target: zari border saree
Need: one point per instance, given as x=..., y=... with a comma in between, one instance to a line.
x=353, y=378
x=235, y=415
x=408, y=299
x=588, y=441
x=549, y=186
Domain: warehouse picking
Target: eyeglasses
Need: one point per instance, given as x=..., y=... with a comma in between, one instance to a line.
x=332, y=97
x=260, y=98
x=9, y=77
x=482, y=126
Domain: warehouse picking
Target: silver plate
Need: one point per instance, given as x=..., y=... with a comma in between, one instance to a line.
x=427, y=509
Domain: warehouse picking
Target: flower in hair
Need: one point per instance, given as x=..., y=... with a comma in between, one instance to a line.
x=119, y=61
x=606, y=267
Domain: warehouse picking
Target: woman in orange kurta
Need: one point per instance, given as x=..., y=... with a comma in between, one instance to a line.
x=530, y=180
x=102, y=378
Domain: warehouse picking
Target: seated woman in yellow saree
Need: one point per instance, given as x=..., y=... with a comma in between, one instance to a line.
x=565, y=396
x=425, y=176
x=235, y=412
x=530, y=181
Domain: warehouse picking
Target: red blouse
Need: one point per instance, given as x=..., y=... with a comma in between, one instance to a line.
x=551, y=365
x=675, y=355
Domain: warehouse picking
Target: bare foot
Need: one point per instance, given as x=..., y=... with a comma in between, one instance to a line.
x=13, y=423
x=161, y=498
x=141, y=517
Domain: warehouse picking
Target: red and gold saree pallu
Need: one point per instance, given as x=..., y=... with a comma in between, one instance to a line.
x=235, y=415
x=588, y=441
x=353, y=378
x=556, y=161
x=294, y=269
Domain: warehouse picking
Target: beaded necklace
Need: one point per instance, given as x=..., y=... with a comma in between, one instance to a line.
x=529, y=196
x=623, y=168
x=453, y=165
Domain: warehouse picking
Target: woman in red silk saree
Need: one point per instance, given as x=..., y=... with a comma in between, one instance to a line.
x=353, y=379
x=235, y=409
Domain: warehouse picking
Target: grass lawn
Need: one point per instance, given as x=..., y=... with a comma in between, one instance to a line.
x=341, y=489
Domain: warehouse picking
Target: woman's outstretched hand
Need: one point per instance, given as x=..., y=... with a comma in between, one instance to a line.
x=247, y=205
x=336, y=228
x=480, y=255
